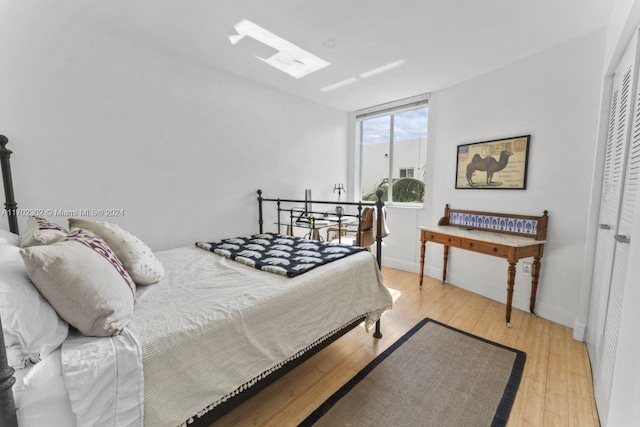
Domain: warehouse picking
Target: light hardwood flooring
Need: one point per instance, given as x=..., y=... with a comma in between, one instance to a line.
x=556, y=387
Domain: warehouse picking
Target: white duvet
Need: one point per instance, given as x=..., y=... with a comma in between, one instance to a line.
x=88, y=381
x=210, y=329
x=214, y=325
x=104, y=381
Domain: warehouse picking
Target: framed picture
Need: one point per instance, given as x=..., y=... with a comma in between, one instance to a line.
x=499, y=164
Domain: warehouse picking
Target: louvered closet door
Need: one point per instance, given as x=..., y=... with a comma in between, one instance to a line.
x=617, y=138
x=613, y=243
x=604, y=248
x=621, y=259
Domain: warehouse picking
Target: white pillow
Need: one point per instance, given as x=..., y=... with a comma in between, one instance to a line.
x=8, y=238
x=41, y=232
x=31, y=327
x=138, y=258
x=84, y=281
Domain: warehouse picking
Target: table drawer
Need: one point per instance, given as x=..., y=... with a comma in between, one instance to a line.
x=484, y=247
x=442, y=238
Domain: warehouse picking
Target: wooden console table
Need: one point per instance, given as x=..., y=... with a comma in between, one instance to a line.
x=502, y=235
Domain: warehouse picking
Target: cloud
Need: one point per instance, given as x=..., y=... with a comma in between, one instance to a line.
x=409, y=125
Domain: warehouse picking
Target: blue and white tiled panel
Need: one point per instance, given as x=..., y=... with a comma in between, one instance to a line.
x=500, y=223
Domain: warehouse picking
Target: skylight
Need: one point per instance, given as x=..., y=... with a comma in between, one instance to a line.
x=382, y=69
x=290, y=58
x=339, y=84
x=364, y=75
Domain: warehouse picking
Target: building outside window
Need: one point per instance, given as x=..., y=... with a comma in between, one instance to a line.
x=393, y=149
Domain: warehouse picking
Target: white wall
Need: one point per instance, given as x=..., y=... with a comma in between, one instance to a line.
x=100, y=120
x=552, y=95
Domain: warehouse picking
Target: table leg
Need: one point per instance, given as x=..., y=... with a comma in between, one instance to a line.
x=444, y=263
x=511, y=278
x=423, y=245
x=535, y=274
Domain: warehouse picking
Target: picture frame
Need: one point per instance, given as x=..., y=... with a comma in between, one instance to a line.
x=499, y=164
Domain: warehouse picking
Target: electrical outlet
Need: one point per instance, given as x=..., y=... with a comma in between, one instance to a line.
x=526, y=268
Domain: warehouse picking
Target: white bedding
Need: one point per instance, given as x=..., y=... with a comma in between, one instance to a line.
x=214, y=325
x=88, y=381
x=207, y=331
x=41, y=396
x=104, y=381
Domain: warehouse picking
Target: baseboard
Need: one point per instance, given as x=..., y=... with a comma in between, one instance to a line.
x=579, y=332
x=398, y=264
x=543, y=310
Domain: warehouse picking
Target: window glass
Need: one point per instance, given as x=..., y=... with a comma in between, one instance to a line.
x=406, y=172
x=393, y=148
x=376, y=134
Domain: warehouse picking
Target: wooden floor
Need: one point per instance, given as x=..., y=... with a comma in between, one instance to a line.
x=556, y=387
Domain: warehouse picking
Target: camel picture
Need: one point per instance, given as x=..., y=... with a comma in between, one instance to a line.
x=488, y=164
x=497, y=164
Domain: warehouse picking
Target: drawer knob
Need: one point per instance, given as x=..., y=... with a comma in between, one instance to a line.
x=449, y=240
x=470, y=245
x=495, y=249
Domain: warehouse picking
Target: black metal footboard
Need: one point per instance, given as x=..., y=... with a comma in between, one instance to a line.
x=294, y=216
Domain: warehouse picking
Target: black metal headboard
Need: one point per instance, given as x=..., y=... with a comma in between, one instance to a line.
x=7, y=406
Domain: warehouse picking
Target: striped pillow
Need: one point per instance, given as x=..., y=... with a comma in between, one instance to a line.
x=41, y=232
x=84, y=282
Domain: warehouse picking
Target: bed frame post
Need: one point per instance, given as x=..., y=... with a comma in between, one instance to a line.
x=10, y=201
x=260, y=210
x=7, y=405
x=359, y=235
x=379, y=205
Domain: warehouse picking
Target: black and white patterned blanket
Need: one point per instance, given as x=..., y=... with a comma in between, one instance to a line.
x=285, y=255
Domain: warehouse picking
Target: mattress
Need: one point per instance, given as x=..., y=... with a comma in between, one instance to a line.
x=214, y=326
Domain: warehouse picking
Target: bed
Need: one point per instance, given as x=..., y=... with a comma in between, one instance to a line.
x=203, y=339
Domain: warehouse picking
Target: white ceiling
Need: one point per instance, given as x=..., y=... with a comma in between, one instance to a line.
x=442, y=42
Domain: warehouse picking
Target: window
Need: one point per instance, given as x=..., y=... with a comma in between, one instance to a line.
x=406, y=172
x=393, y=149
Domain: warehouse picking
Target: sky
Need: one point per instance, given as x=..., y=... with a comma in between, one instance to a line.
x=408, y=125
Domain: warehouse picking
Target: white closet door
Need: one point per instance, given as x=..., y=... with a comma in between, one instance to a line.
x=617, y=137
x=604, y=247
x=619, y=188
x=620, y=263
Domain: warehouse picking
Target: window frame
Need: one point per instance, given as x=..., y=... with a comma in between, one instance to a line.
x=356, y=120
x=406, y=170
